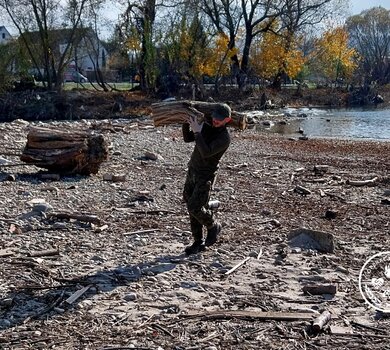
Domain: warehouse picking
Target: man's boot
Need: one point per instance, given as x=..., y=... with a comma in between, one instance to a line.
x=212, y=234
x=195, y=248
x=197, y=234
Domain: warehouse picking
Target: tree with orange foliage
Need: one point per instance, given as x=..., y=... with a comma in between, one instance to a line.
x=276, y=55
x=333, y=57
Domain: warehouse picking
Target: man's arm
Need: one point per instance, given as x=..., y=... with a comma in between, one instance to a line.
x=188, y=135
x=217, y=145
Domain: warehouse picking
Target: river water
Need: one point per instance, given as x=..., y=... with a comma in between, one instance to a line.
x=360, y=123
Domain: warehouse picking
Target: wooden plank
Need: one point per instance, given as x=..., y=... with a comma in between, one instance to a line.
x=77, y=294
x=258, y=315
x=5, y=253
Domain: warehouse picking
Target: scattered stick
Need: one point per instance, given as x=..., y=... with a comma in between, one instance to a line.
x=47, y=252
x=260, y=315
x=80, y=217
x=141, y=231
x=209, y=337
x=318, y=289
x=321, y=321
x=371, y=182
x=362, y=335
x=17, y=164
x=161, y=328
x=146, y=322
x=260, y=253
x=5, y=253
x=46, y=309
x=362, y=325
x=234, y=268
x=77, y=294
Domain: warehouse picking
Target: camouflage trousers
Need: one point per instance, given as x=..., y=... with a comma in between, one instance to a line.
x=196, y=194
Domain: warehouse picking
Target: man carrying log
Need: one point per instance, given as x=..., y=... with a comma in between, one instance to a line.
x=211, y=141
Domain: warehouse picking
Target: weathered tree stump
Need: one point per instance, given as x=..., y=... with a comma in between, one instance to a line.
x=65, y=152
x=178, y=112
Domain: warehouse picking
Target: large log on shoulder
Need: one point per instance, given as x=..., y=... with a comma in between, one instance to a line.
x=178, y=112
x=65, y=151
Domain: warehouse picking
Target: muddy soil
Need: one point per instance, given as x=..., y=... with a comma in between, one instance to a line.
x=115, y=277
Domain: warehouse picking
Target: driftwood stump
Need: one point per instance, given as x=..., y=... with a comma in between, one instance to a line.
x=178, y=112
x=65, y=152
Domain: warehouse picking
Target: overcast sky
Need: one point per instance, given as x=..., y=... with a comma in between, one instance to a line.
x=358, y=6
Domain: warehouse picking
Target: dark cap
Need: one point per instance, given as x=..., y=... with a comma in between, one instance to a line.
x=221, y=111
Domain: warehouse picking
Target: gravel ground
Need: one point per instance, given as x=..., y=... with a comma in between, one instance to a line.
x=137, y=289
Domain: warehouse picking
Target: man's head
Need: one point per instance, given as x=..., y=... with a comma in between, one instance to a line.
x=221, y=115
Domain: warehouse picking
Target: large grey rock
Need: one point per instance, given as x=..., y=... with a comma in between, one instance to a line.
x=311, y=239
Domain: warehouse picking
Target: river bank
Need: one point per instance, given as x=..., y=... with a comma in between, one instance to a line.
x=79, y=104
x=134, y=287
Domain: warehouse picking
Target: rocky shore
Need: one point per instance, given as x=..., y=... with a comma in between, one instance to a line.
x=109, y=273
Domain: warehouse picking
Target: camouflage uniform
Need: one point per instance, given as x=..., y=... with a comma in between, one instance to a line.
x=210, y=145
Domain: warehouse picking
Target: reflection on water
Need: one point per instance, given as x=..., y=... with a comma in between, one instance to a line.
x=351, y=123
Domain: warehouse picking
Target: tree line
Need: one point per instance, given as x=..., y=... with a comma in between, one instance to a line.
x=168, y=43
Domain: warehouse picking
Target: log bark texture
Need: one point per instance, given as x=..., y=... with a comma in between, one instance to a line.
x=178, y=112
x=65, y=152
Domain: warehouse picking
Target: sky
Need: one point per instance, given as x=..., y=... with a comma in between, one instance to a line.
x=358, y=6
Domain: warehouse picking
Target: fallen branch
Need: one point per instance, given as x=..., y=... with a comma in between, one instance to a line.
x=45, y=309
x=140, y=231
x=317, y=289
x=5, y=253
x=234, y=268
x=18, y=164
x=260, y=315
x=371, y=182
x=321, y=321
x=80, y=217
x=47, y=252
x=77, y=294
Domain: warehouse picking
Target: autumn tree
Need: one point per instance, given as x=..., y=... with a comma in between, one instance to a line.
x=333, y=56
x=191, y=52
x=275, y=56
x=369, y=33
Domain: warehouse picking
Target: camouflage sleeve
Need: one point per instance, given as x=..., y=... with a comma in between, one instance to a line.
x=188, y=135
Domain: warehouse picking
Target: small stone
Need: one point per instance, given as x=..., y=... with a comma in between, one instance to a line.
x=10, y=177
x=4, y=161
x=296, y=250
x=5, y=323
x=152, y=156
x=216, y=264
x=331, y=214
x=60, y=225
x=42, y=207
x=132, y=296
x=188, y=284
x=6, y=302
